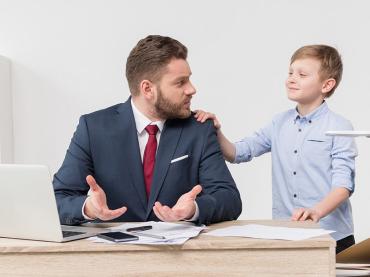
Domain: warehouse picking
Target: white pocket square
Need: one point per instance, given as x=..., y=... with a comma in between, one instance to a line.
x=179, y=159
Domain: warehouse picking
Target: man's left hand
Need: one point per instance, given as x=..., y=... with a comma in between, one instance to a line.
x=184, y=208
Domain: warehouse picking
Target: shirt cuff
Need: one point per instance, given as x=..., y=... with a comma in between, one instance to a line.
x=242, y=152
x=196, y=214
x=83, y=208
x=343, y=181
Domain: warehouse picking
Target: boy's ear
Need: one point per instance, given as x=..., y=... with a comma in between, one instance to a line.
x=147, y=89
x=328, y=85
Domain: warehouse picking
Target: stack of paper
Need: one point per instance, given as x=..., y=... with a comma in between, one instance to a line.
x=352, y=269
x=173, y=233
x=268, y=232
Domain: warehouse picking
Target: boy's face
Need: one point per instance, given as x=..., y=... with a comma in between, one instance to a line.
x=304, y=84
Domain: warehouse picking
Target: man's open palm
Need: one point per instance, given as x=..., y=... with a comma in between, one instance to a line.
x=96, y=204
x=183, y=209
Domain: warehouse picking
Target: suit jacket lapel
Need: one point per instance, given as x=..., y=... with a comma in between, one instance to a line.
x=131, y=148
x=166, y=149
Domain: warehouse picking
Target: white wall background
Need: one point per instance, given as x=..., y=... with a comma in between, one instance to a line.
x=6, y=113
x=68, y=59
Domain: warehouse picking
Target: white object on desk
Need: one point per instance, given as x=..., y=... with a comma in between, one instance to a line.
x=268, y=232
x=348, y=133
x=174, y=233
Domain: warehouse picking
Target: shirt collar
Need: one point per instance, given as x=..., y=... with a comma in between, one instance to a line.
x=142, y=121
x=316, y=113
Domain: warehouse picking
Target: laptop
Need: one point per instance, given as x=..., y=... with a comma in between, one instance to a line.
x=28, y=208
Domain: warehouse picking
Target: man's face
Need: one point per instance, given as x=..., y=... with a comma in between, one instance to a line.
x=304, y=84
x=174, y=91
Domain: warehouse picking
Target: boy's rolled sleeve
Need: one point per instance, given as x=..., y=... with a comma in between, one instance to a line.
x=254, y=146
x=343, y=154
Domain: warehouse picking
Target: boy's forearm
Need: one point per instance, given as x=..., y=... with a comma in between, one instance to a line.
x=331, y=201
x=227, y=147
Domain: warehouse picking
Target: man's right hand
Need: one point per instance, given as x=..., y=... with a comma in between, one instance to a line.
x=96, y=204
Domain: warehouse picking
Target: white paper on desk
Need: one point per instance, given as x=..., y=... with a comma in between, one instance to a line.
x=143, y=240
x=351, y=272
x=268, y=232
x=352, y=266
x=174, y=233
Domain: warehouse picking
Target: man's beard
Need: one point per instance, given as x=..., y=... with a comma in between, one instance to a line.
x=167, y=110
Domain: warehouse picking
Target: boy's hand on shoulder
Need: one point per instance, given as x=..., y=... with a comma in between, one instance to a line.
x=202, y=116
x=303, y=214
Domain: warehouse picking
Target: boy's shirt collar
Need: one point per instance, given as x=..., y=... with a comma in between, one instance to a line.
x=316, y=113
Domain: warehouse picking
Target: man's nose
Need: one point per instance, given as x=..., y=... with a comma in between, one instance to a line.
x=190, y=90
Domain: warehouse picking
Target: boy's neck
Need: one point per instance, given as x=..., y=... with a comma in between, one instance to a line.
x=305, y=109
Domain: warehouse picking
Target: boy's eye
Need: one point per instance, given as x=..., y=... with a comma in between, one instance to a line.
x=290, y=73
x=302, y=75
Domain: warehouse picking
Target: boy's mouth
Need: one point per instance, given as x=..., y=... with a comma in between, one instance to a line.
x=293, y=88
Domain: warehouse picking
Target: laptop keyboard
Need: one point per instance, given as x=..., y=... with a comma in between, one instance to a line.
x=71, y=233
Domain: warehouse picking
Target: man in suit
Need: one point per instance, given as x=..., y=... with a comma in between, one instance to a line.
x=148, y=158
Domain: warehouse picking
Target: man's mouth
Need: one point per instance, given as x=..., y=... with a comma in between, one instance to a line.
x=187, y=103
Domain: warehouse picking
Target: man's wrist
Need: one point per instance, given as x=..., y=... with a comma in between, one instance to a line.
x=84, y=212
x=196, y=213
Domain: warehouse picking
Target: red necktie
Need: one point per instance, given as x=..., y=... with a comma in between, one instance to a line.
x=149, y=157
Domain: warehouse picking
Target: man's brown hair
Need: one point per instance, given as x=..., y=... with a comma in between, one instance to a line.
x=149, y=58
x=331, y=62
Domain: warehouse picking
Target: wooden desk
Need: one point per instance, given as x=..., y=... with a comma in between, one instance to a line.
x=202, y=256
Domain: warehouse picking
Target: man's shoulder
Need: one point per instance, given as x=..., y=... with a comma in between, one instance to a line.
x=190, y=124
x=112, y=110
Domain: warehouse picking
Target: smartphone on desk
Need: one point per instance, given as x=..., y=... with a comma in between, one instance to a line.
x=117, y=236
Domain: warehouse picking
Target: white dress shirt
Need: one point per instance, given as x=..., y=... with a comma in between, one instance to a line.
x=141, y=121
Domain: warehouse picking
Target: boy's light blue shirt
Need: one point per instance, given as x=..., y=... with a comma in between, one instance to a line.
x=306, y=164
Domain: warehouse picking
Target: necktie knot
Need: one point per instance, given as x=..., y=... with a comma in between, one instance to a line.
x=152, y=129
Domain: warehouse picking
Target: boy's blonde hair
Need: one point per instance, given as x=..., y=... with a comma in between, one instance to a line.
x=331, y=62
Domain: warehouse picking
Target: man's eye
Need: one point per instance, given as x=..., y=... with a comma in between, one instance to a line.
x=180, y=83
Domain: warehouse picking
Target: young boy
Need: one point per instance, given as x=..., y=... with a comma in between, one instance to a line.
x=312, y=174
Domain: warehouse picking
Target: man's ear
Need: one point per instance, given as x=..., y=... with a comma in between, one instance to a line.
x=328, y=85
x=147, y=89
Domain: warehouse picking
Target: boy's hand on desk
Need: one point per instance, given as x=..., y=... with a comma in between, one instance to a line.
x=96, y=204
x=303, y=214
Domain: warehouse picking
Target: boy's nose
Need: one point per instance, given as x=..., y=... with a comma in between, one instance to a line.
x=291, y=79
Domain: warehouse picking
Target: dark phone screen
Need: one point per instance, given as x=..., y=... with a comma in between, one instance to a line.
x=118, y=236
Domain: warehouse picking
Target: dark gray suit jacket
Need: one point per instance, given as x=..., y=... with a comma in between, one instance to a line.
x=105, y=145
